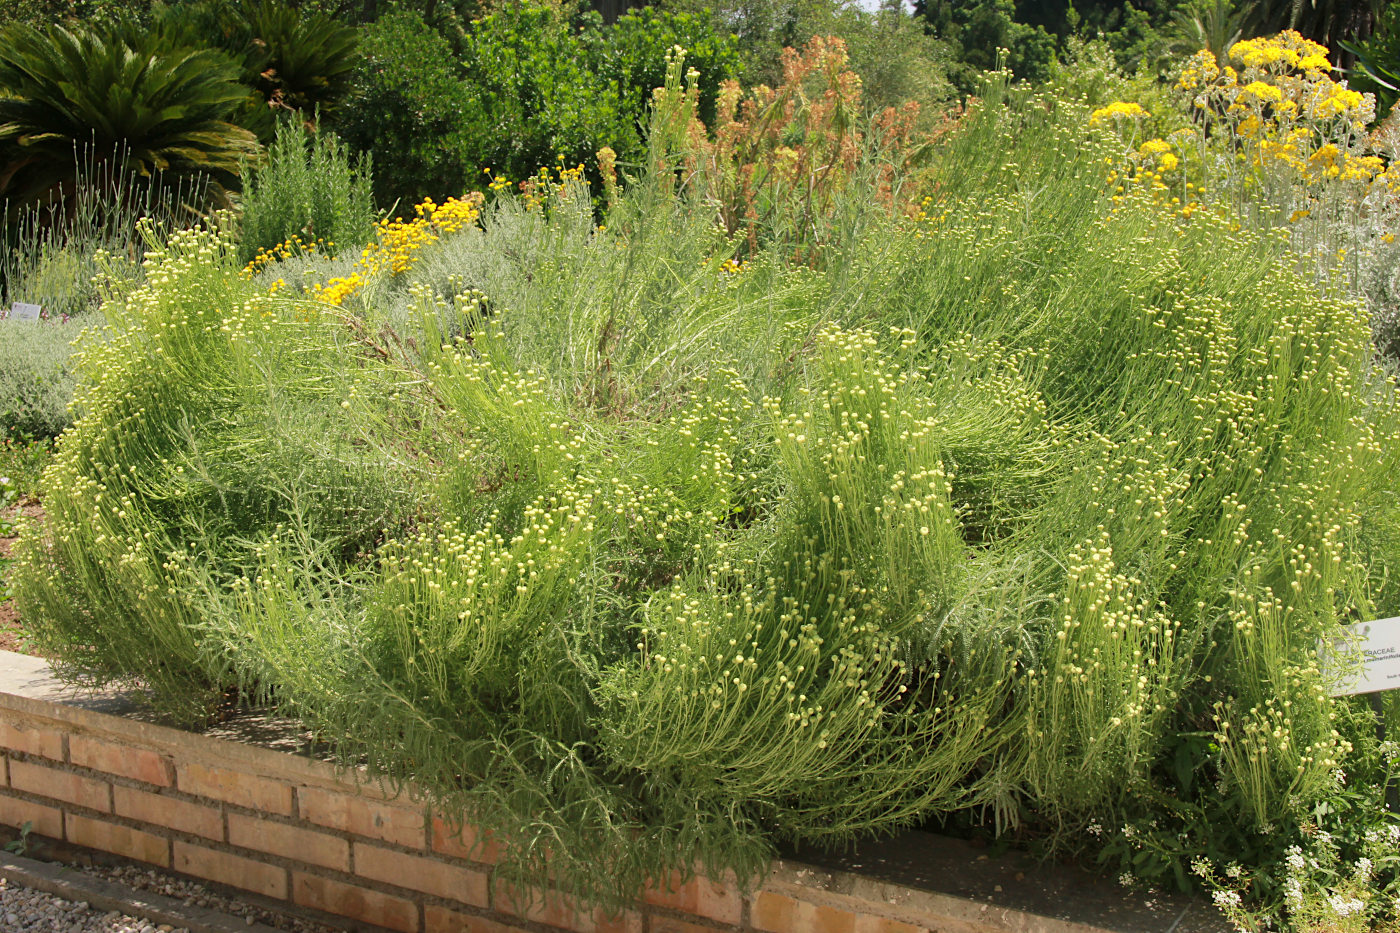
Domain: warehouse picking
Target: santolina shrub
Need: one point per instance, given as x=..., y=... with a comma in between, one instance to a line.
x=656, y=542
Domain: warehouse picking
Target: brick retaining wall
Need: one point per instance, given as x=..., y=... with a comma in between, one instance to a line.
x=289, y=828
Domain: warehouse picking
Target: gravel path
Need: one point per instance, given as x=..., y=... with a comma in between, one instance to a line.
x=195, y=894
x=28, y=910
x=24, y=910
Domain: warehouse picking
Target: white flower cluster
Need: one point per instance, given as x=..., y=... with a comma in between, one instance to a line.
x=1346, y=906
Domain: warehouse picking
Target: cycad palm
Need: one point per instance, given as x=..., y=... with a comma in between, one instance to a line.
x=1214, y=25
x=295, y=60
x=167, y=108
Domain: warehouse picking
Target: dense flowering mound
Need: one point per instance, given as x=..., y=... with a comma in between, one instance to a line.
x=1028, y=505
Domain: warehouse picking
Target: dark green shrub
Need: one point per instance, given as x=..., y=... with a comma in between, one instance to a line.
x=309, y=188
x=546, y=87
x=977, y=31
x=631, y=56
x=1378, y=62
x=535, y=96
x=48, y=12
x=407, y=104
x=896, y=58
x=533, y=86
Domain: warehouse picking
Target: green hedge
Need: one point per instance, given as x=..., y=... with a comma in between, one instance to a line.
x=532, y=85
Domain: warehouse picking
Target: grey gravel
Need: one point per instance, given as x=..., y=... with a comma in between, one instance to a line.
x=195, y=894
x=25, y=910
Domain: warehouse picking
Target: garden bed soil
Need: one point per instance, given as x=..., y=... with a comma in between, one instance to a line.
x=11, y=632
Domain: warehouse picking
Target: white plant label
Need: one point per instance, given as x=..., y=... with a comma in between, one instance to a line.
x=19, y=311
x=1376, y=645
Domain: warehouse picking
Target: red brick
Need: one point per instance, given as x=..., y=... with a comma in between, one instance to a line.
x=299, y=845
x=347, y=900
x=557, y=910
x=119, y=840
x=441, y=920
x=47, y=821
x=353, y=814
x=467, y=844
x=60, y=785
x=777, y=913
x=233, y=870
x=32, y=740
x=138, y=764
x=421, y=874
x=700, y=897
x=235, y=787
x=193, y=818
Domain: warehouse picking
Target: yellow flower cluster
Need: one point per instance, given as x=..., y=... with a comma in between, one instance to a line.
x=1275, y=80
x=397, y=244
x=295, y=246
x=451, y=216
x=545, y=185
x=338, y=289
x=1284, y=110
x=1202, y=70
x=1161, y=151
x=1118, y=110
x=1284, y=53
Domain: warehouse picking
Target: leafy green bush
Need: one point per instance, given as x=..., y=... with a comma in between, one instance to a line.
x=48, y=12
x=545, y=87
x=978, y=31
x=534, y=93
x=407, y=105
x=630, y=57
x=1033, y=506
x=165, y=108
x=533, y=86
x=309, y=188
x=896, y=58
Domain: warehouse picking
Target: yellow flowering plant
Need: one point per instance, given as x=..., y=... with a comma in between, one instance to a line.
x=397, y=244
x=1274, y=137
